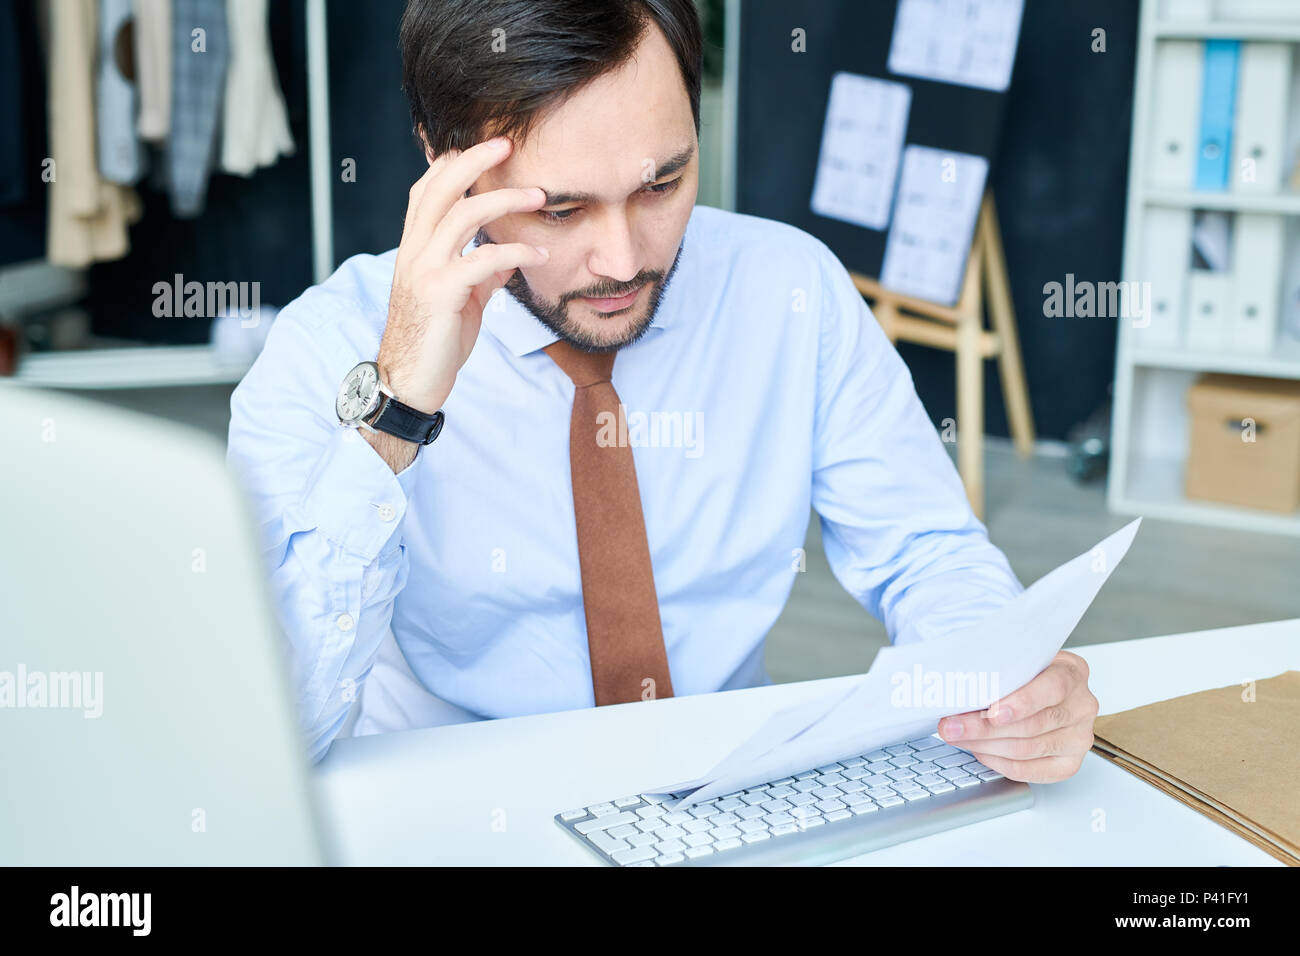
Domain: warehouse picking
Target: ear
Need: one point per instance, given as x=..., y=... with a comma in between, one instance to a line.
x=429, y=156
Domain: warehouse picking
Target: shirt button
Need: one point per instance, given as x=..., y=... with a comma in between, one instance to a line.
x=387, y=513
x=344, y=621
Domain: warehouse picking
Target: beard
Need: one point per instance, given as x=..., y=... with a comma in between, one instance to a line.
x=556, y=316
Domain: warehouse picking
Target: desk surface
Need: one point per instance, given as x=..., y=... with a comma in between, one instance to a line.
x=484, y=793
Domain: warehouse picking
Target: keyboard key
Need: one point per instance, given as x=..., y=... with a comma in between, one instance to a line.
x=854, y=799
x=804, y=786
x=853, y=786
x=703, y=810
x=829, y=768
x=924, y=767
x=668, y=859
x=642, y=839
x=696, y=852
x=643, y=863
x=967, y=781
x=952, y=760
x=568, y=816
x=783, y=782
x=899, y=750
x=917, y=794
x=805, y=775
x=603, y=841
x=901, y=775
x=827, y=793
x=754, y=799
x=779, y=792
x=728, y=805
x=876, y=755
x=810, y=822
x=865, y=807
x=837, y=815
x=879, y=793
x=697, y=826
x=627, y=801
x=723, y=819
x=829, y=806
x=697, y=839
x=606, y=822
x=651, y=825
x=805, y=813
x=728, y=844
x=670, y=846
x=750, y=813
x=944, y=750
x=887, y=802
x=756, y=836
x=926, y=779
x=752, y=826
x=721, y=834
x=655, y=798
x=990, y=775
x=902, y=761
x=776, y=806
x=881, y=766
x=802, y=799
x=784, y=829
x=646, y=813
x=851, y=763
x=953, y=774
x=623, y=832
x=943, y=786
x=829, y=779
x=634, y=855
x=675, y=817
x=877, y=780
x=601, y=809
x=925, y=743
x=778, y=819
x=857, y=773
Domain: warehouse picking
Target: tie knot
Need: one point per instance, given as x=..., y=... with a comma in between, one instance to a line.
x=584, y=368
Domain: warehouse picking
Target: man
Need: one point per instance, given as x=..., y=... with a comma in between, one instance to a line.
x=584, y=532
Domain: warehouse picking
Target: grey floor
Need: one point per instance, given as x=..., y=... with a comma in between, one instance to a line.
x=1176, y=577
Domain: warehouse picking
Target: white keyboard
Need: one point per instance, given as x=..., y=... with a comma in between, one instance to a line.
x=852, y=806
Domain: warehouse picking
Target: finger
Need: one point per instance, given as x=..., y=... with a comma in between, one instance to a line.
x=1052, y=686
x=482, y=261
x=451, y=181
x=418, y=188
x=1042, y=770
x=1080, y=706
x=1061, y=742
x=467, y=216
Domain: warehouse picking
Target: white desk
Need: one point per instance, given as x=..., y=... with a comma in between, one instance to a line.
x=485, y=792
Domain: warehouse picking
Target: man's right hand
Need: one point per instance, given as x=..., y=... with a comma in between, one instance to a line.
x=435, y=309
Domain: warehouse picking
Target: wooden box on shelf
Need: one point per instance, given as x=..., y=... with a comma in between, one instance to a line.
x=1244, y=443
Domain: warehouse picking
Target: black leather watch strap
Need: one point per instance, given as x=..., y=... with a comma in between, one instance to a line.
x=407, y=423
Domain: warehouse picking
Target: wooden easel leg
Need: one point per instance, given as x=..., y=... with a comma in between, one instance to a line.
x=1002, y=314
x=970, y=412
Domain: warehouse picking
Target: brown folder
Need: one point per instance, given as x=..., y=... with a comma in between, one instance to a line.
x=1230, y=753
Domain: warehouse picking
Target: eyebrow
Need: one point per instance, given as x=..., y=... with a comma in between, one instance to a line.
x=666, y=168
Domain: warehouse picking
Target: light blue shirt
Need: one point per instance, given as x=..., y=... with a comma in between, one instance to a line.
x=763, y=387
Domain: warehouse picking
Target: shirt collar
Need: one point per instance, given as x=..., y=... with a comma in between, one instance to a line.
x=519, y=331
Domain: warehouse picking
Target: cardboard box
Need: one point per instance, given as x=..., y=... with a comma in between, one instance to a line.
x=1244, y=446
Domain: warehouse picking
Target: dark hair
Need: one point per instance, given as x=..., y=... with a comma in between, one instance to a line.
x=462, y=90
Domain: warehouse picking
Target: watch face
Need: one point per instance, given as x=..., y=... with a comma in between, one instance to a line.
x=359, y=393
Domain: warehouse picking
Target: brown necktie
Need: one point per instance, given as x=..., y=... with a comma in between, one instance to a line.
x=624, y=635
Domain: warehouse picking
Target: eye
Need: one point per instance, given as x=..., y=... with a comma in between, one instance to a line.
x=564, y=215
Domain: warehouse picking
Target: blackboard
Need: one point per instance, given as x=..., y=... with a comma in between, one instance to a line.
x=782, y=101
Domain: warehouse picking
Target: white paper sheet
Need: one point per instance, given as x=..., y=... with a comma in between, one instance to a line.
x=967, y=42
x=911, y=687
x=862, y=140
x=929, y=240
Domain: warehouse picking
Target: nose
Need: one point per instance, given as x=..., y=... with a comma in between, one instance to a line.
x=615, y=255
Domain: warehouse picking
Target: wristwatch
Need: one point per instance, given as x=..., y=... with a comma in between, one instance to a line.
x=365, y=401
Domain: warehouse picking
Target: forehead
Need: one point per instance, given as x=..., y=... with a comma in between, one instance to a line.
x=605, y=136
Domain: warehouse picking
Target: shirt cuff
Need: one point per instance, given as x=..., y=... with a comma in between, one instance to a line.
x=354, y=498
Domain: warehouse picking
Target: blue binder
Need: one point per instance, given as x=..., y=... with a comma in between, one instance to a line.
x=1218, y=103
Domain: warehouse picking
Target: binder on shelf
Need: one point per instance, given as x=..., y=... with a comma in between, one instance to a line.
x=1229, y=10
x=1257, y=279
x=1183, y=10
x=1176, y=115
x=1166, y=250
x=1259, y=135
x=1209, y=296
x=1218, y=101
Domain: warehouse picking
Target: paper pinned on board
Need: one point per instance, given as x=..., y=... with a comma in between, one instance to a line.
x=910, y=687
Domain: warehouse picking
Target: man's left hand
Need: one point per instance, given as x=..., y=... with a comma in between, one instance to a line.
x=1039, y=733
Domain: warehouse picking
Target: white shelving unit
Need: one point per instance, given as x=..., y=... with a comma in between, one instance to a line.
x=1150, y=422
